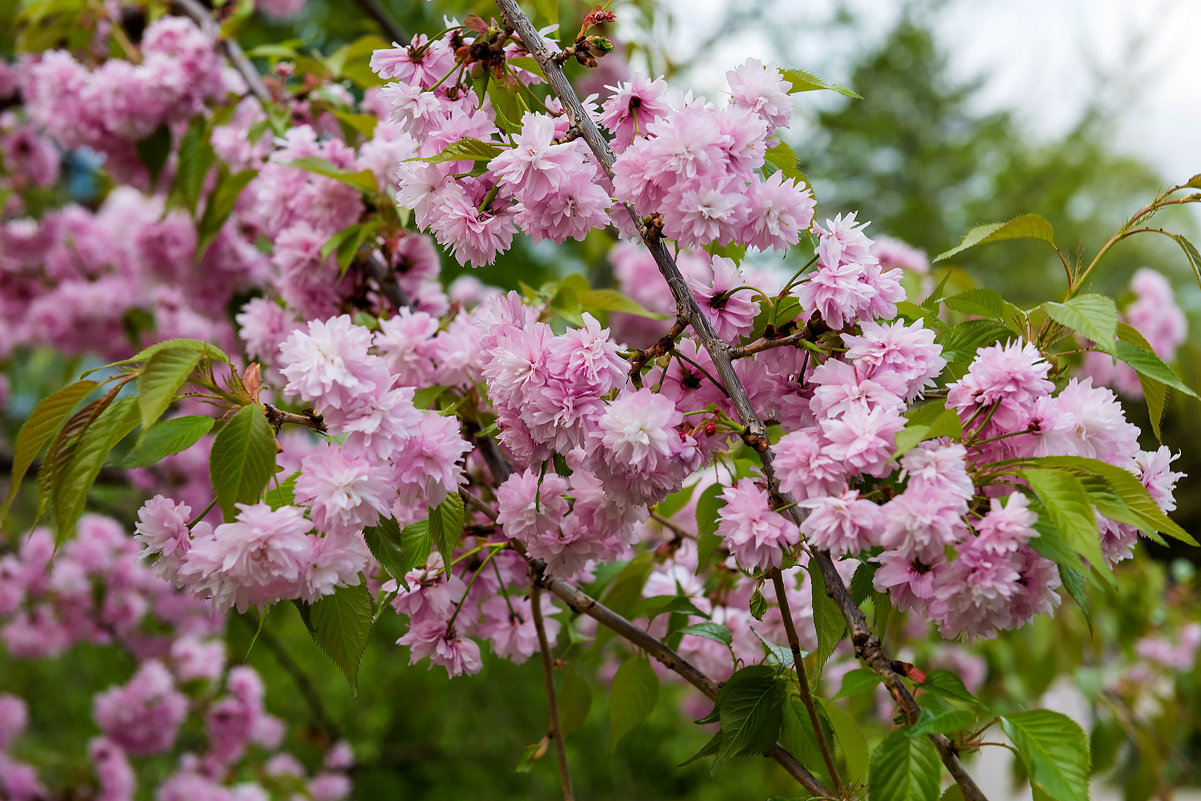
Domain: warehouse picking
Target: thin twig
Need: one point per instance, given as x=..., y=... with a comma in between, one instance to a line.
x=794, y=643
x=299, y=677
x=377, y=13
x=556, y=732
x=867, y=646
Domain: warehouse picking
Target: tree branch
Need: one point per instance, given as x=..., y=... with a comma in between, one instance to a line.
x=377, y=13
x=867, y=646
x=556, y=732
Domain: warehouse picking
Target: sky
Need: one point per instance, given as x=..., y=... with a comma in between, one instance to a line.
x=1043, y=59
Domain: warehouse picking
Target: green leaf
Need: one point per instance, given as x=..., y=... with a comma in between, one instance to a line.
x=634, y=693
x=220, y=205
x=1055, y=751
x=527, y=63
x=850, y=739
x=931, y=419
x=284, y=494
x=675, y=501
x=665, y=604
x=710, y=630
x=1118, y=495
x=862, y=586
x=782, y=156
x=758, y=605
x=211, y=351
x=1095, y=317
x=161, y=379
x=962, y=342
x=154, y=150
x=1075, y=583
x=707, y=506
x=942, y=722
x=797, y=735
x=807, y=82
x=341, y=624
x=1071, y=512
x=195, y=159
x=575, y=699
x=39, y=428
x=750, y=708
x=383, y=540
x=946, y=684
x=75, y=479
x=363, y=180
x=1027, y=226
x=466, y=149
x=610, y=300
x=446, y=525
x=904, y=768
x=987, y=303
x=827, y=618
x=168, y=437
x=857, y=682
x=242, y=459
x=1146, y=363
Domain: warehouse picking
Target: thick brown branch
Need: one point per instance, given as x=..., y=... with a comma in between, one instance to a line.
x=867, y=646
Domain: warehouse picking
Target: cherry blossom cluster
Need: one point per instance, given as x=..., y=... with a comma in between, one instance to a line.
x=695, y=163
x=98, y=590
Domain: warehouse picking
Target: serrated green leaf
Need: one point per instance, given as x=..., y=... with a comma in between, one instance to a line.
x=807, y=82
x=282, y=495
x=707, y=506
x=384, y=542
x=161, y=379
x=1074, y=582
x=1146, y=363
x=758, y=605
x=466, y=149
x=1027, y=226
x=1095, y=317
x=527, y=63
x=862, y=586
x=827, y=618
x=930, y=420
x=575, y=699
x=362, y=180
x=242, y=460
x=208, y=350
x=168, y=437
x=39, y=428
x=851, y=741
x=675, y=501
x=946, y=684
x=610, y=300
x=750, y=708
x=195, y=159
x=154, y=150
x=1071, y=512
x=75, y=479
x=220, y=205
x=1054, y=749
x=987, y=303
x=797, y=735
x=783, y=157
x=962, y=342
x=904, y=769
x=858, y=681
x=665, y=604
x=943, y=722
x=633, y=695
x=711, y=631
x=1118, y=495
x=446, y=525
x=341, y=624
